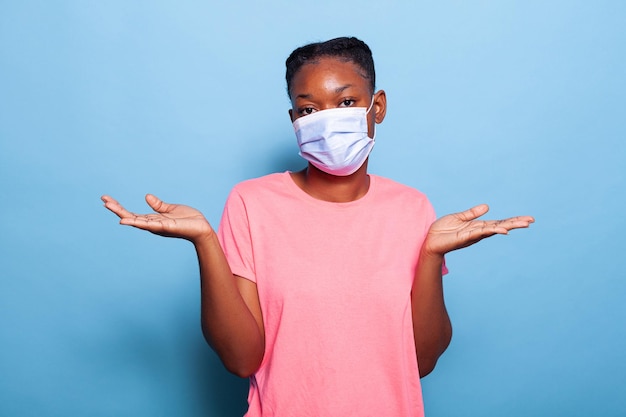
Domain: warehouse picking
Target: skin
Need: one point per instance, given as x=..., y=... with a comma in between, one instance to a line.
x=231, y=316
x=230, y=313
x=328, y=84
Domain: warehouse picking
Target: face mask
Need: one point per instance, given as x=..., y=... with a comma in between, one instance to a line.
x=335, y=140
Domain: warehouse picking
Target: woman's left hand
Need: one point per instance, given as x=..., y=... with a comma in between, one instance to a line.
x=459, y=230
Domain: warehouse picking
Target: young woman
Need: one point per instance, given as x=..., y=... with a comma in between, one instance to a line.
x=324, y=286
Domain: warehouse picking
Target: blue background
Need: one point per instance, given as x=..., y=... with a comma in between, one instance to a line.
x=517, y=104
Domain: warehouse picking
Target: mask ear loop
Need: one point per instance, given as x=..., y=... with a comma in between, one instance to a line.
x=371, y=105
x=366, y=113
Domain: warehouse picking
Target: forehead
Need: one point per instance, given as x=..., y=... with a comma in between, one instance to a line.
x=328, y=73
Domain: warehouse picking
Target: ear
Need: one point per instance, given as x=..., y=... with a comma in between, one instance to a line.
x=291, y=115
x=380, y=106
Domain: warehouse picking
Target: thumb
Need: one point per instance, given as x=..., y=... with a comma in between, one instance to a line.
x=156, y=204
x=474, y=213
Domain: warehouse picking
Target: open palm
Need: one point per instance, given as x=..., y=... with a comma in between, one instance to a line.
x=170, y=220
x=459, y=230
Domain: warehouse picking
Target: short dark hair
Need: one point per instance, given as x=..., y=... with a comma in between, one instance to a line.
x=346, y=48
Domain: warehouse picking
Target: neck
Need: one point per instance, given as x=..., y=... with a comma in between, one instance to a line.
x=332, y=188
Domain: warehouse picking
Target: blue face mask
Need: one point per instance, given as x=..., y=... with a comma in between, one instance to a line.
x=335, y=140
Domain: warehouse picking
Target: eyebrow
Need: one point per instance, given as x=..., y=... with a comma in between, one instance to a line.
x=337, y=91
x=341, y=89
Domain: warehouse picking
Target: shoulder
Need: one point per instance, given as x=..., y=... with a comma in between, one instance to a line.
x=266, y=191
x=388, y=188
x=399, y=199
x=260, y=185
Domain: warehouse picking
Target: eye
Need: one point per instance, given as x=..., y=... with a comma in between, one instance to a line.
x=348, y=102
x=306, y=111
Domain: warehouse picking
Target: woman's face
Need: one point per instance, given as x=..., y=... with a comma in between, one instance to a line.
x=329, y=83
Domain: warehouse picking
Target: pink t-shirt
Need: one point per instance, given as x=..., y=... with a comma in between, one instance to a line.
x=334, y=282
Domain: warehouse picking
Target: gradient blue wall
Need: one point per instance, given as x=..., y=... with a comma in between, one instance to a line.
x=517, y=104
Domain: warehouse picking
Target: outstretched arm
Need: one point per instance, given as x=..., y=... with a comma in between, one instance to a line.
x=230, y=313
x=431, y=324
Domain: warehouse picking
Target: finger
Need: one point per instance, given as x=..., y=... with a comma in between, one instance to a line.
x=522, y=219
x=157, y=204
x=108, y=200
x=150, y=222
x=115, y=207
x=482, y=229
x=473, y=213
x=518, y=222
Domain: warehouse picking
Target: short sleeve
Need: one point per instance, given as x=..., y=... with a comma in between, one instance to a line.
x=234, y=236
x=432, y=218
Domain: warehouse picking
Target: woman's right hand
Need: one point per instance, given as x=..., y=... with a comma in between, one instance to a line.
x=170, y=220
